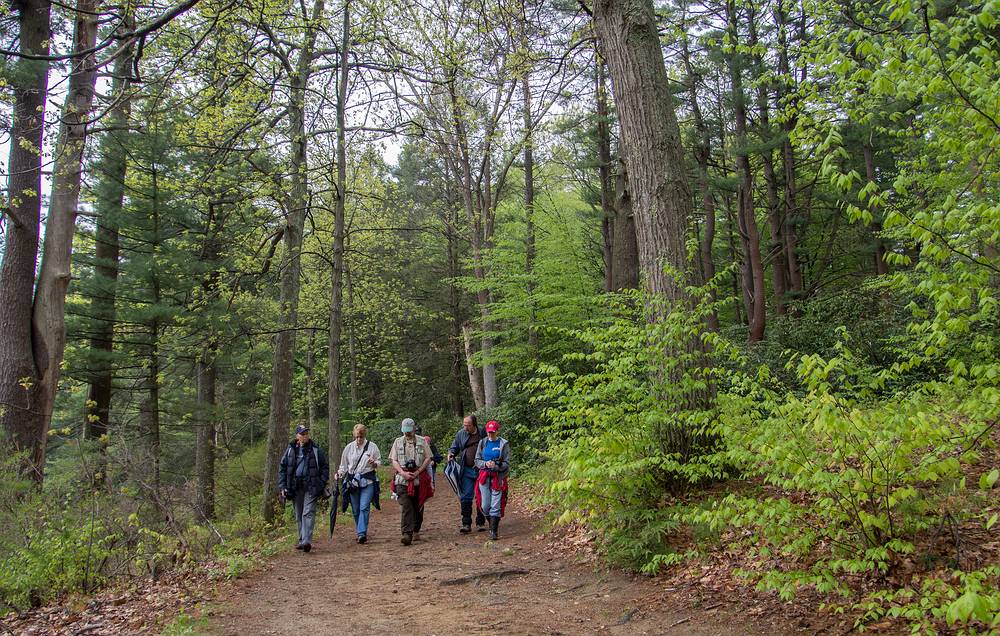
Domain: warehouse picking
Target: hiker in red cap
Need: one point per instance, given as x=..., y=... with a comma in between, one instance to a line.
x=493, y=462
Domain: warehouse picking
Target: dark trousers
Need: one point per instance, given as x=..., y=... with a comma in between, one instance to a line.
x=412, y=515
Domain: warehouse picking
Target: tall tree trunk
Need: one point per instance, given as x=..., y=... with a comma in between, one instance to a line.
x=786, y=96
x=49, y=314
x=481, y=233
x=529, y=215
x=654, y=159
x=337, y=292
x=624, y=249
x=351, y=351
x=204, y=455
x=475, y=381
x=604, y=171
x=753, y=264
x=776, y=249
x=284, y=342
x=22, y=351
x=450, y=218
x=881, y=266
x=654, y=156
x=109, y=205
x=310, y=379
x=702, y=153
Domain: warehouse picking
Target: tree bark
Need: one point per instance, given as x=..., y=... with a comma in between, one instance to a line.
x=109, y=205
x=786, y=95
x=604, y=172
x=22, y=351
x=776, y=249
x=753, y=273
x=702, y=154
x=336, y=297
x=284, y=341
x=49, y=314
x=529, y=215
x=650, y=136
x=475, y=381
x=624, y=250
x=204, y=456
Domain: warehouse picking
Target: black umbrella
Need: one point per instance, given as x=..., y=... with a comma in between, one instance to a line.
x=333, y=507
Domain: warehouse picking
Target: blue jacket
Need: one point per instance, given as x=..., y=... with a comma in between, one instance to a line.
x=461, y=440
x=317, y=469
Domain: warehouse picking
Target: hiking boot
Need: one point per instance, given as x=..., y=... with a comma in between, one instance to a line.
x=416, y=536
x=494, y=527
x=306, y=547
x=362, y=538
x=298, y=546
x=481, y=527
x=466, y=528
x=406, y=539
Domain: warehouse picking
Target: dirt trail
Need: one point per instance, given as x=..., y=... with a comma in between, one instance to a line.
x=387, y=588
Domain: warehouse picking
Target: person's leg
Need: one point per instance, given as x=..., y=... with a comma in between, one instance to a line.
x=308, y=519
x=355, y=498
x=467, y=496
x=299, y=504
x=496, y=497
x=365, y=503
x=406, y=514
x=418, y=514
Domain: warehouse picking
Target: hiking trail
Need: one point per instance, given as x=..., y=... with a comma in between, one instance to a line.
x=449, y=583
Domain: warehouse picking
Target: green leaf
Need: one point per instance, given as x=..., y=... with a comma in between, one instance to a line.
x=988, y=480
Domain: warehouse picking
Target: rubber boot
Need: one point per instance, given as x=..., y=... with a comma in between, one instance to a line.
x=466, y=517
x=494, y=527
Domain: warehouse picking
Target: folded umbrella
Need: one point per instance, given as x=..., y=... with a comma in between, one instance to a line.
x=453, y=475
x=333, y=507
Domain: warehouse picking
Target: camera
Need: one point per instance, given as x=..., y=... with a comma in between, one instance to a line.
x=410, y=466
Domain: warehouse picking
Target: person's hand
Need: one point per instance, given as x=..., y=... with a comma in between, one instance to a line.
x=451, y=456
x=373, y=461
x=284, y=493
x=409, y=476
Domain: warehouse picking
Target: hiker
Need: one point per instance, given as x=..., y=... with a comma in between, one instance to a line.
x=410, y=456
x=463, y=450
x=493, y=462
x=302, y=477
x=360, y=486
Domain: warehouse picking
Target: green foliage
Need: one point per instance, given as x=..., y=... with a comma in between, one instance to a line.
x=630, y=424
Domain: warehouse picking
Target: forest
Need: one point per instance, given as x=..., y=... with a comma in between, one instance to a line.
x=726, y=271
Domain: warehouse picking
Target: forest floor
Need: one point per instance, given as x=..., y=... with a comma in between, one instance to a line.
x=524, y=583
x=527, y=582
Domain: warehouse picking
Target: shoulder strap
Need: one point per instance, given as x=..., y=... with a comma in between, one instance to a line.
x=357, y=462
x=316, y=455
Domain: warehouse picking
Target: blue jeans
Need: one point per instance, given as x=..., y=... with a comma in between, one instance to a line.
x=361, y=506
x=468, y=485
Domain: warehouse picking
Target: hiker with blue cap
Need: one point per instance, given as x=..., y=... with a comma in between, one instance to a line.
x=302, y=476
x=410, y=456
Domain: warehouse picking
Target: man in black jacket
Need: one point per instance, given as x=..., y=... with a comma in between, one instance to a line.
x=302, y=476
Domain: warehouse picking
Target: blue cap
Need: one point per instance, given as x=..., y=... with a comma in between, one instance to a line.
x=301, y=428
x=407, y=425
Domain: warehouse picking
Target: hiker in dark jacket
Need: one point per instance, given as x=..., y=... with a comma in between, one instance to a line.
x=463, y=450
x=302, y=476
x=493, y=462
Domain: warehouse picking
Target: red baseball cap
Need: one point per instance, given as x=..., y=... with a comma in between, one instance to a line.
x=492, y=426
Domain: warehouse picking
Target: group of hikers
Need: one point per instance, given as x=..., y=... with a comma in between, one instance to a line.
x=477, y=468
